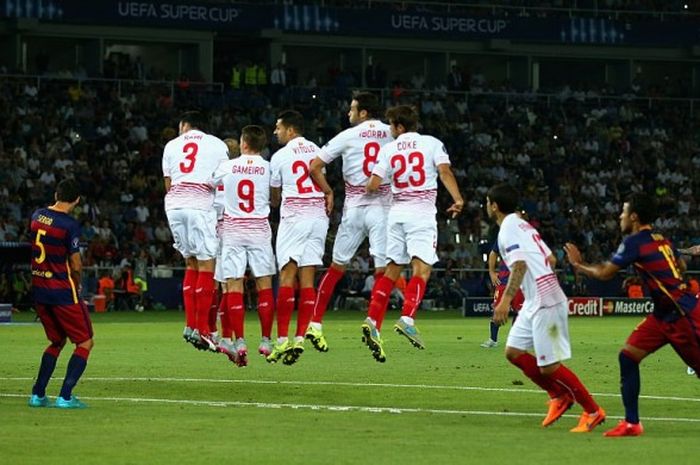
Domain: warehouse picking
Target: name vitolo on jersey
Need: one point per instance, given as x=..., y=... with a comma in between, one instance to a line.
x=246, y=199
x=359, y=147
x=290, y=170
x=189, y=161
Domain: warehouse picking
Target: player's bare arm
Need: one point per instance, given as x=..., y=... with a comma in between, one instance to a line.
x=450, y=183
x=602, y=271
x=373, y=184
x=517, y=274
x=318, y=175
x=76, y=268
x=168, y=182
x=275, y=197
x=493, y=274
x=552, y=261
x=692, y=251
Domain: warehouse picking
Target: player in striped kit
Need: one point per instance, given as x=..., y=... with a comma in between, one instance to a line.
x=364, y=214
x=189, y=162
x=542, y=323
x=301, y=237
x=412, y=163
x=246, y=241
x=56, y=274
x=676, y=316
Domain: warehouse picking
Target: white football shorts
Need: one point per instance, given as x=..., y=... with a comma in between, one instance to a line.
x=194, y=232
x=546, y=329
x=302, y=240
x=235, y=259
x=408, y=238
x=358, y=223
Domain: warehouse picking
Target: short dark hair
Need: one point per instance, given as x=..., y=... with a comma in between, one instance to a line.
x=368, y=102
x=255, y=137
x=193, y=118
x=67, y=191
x=643, y=205
x=405, y=115
x=505, y=196
x=292, y=119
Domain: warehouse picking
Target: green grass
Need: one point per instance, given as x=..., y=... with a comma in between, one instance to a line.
x=143, y=383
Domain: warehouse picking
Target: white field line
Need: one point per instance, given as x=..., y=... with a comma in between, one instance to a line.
x=341, y=408
x=348, y=384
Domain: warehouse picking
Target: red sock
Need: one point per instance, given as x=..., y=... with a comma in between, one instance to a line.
x=380, y=299
x=189, y=284
x=204, y=294
x=415, y=290
x=285, y=308
x=528, y=364
x=266, y=311
x=307, y=298
x=325, y=291
x=236, y=312
x=566, y=378
x=214, y=310
x=226, y=328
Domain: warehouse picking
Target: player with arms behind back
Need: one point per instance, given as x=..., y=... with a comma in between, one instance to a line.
x=301, y=237
x=246, y=241
x=542, y=323
x=364, y=214
x=189, y=162
x=676, y=316
x=56, y=273
x=412, y=163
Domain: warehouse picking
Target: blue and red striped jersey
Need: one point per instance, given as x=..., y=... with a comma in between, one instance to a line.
x=55, y=237
x=503, y=271
x=654, y=258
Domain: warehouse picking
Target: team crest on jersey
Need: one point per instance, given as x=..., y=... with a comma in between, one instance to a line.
x=249, y=162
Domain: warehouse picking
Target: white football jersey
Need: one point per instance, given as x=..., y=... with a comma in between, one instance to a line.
x=410, y=164
x=246, y=200
x=359, y=146
x=290, y=171
x=189, y=161
x=518, y=240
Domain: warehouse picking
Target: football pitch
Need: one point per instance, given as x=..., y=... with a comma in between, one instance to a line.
x=155, y=400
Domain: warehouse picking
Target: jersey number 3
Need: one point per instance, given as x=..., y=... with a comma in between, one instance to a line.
x=190, y=150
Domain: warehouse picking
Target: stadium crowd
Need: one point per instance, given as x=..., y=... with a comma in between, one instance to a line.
x=575, y=156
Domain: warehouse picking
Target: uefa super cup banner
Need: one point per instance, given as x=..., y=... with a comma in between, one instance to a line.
x=382, y=21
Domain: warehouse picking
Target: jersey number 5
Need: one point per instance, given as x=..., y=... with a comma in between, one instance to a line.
x=38, y=243
x=303, y=186
x=190, y=150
